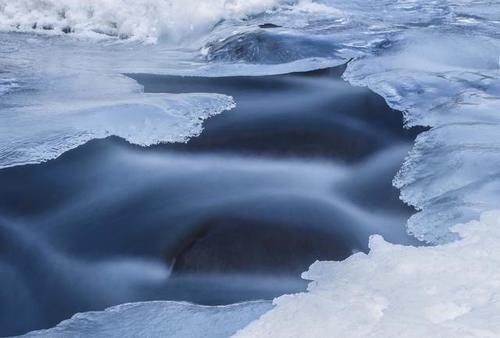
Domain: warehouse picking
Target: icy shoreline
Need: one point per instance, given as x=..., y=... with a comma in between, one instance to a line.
x=451, y=290
x=158, y=319
x=394, y=291
x=446, y=77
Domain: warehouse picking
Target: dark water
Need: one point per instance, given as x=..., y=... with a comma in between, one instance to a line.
x=301, y=170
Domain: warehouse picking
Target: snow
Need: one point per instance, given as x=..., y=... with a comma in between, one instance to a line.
x=452, y=290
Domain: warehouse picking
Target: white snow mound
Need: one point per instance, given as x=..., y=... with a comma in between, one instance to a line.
x=451, y=290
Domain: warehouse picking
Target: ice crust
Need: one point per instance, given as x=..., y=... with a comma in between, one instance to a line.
x=40, y=132
x=451, y=174
x=451, y=290
x=158, y=319
x=445, y=77
x=52, y=102
x=57, y=93
x=439, y=63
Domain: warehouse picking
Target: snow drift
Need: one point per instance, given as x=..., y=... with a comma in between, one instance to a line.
x=451, y=290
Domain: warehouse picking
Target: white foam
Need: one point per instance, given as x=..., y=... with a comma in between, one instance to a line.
x=137, y=19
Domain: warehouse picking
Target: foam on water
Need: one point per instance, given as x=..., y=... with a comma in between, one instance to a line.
x=144, y=20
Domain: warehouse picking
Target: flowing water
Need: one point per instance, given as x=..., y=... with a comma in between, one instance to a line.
x=211, y=152
x=300, y=171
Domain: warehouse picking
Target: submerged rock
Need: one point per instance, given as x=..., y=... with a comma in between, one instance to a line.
x=268, y=25
x=269, y=48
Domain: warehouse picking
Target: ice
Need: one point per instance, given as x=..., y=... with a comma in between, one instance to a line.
x=33, y=131
x=57, y=93
x=60, y=90
x=158, y=319
x=443, y=291
x=53, y=102
x=451, y=173
x=438, y=63
x=445, y=77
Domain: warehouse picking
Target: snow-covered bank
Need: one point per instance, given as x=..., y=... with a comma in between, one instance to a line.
x=452, y=290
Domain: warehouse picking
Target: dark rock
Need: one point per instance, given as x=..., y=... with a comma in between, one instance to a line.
x=266, y=48
x=268, y=25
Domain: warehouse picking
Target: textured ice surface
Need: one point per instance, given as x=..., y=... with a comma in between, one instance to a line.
x=158, y=319
x=447, y=77
x=52, y=101
x=57, y=93
x=450, y=290
x=40, y=131
x=452, y=172
x=438, y=62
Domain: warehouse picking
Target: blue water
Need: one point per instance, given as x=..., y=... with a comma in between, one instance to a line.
x=213, y=159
